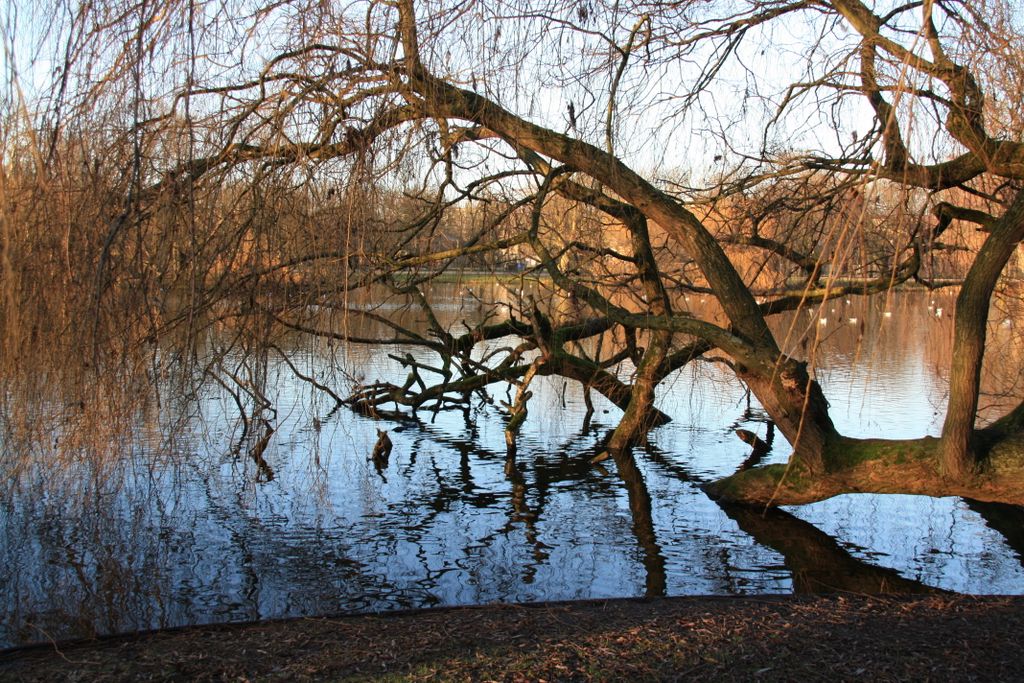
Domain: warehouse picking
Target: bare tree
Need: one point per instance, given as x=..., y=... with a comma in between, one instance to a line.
x=281, y=159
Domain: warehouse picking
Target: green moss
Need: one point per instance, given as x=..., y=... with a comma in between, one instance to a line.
x=760, y=484
x=794, y=484
x=1006, y=457
x=878, y=466
x=847, y=453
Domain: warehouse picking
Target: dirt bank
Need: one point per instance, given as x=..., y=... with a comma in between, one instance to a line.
x=801, y=638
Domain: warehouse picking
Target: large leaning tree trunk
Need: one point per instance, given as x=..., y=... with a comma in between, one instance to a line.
x=791, y=398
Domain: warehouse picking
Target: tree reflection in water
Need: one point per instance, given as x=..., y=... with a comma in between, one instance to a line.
x=818, y=563
x=187, y=530
x=1008, y=520
x=643, y=523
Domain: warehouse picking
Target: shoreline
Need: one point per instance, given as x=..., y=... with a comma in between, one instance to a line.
x=769, y=637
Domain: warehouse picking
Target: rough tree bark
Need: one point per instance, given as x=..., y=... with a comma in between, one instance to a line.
x=957, y=455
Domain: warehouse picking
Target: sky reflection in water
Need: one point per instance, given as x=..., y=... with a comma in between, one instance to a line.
x=168, y=541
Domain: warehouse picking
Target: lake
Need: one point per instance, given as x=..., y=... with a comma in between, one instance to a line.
x=181, y=528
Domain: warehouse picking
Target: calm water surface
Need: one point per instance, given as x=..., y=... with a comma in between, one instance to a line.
x=180, y=530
